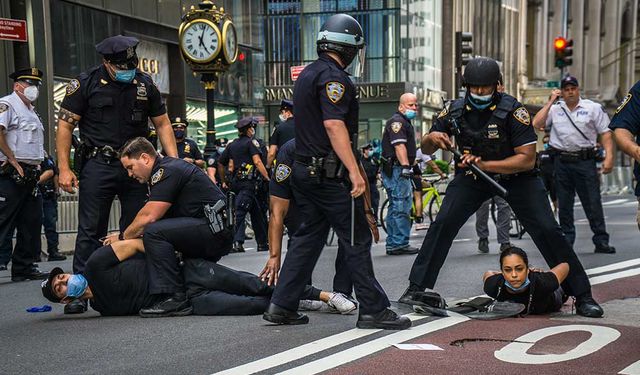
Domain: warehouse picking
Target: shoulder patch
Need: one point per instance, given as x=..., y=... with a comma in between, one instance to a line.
x=255, y=143
x=157, y=176
x=72, y=86
x=4, y=107
x=282, y=172
x=396, y=126
x=521, y=114
x=626, y=100
x=335, y=91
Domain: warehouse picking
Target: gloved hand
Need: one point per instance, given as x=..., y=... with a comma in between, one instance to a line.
x=406, y=172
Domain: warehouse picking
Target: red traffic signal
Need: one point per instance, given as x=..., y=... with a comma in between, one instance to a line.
x=559, y=43
x=564, y=50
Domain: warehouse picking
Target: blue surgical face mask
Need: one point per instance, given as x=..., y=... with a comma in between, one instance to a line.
x=521, y=288
x=545, y=146
x=480, y=101
x=76, y=285
x=125, y=75
x=179, y=134
x=221, y=149
x=410, y=114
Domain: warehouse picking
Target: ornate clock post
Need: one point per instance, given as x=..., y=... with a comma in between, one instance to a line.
x=209, y=45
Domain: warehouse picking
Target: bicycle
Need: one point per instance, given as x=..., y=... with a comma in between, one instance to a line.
x=432, y=196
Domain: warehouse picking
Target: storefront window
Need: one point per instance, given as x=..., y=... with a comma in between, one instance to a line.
x=225, y=119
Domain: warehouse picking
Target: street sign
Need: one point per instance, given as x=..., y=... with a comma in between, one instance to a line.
x=15, y=30
x=552, y=84
x=295, y=71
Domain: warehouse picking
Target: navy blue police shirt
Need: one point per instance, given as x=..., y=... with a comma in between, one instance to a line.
x=398, y=130
x=627, y=116
x=112, y=112
x=241, y=151
x=187, y=149
x=283, y=133
x=323, y=91
x=184, y=185
x=279, y=184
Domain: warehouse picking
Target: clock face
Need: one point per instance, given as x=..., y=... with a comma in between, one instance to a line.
x=201, y=41
x=230, y=42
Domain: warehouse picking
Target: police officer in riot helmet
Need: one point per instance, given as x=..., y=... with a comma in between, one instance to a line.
x=494, y=132
x=327, y=183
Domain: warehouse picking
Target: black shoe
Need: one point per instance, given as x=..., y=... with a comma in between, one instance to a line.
x=410, y=296
x=587, y=306
x=175, y=304
x=263, y=247
x=77, y=306
x=278, y=315
x=55, y=256
x=408, y=250
x=237, y=248
x=3, y=267
x=483, y=245
x=33, y=274
x=605, y=249
x=385, y=319
x=505, y=246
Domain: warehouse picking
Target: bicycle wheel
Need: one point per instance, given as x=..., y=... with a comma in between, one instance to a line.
x=331, y=237
x=383, y=214
x=434, y=205
x=515, y=228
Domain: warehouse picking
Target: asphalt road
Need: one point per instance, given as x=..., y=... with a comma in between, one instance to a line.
x=52, y=343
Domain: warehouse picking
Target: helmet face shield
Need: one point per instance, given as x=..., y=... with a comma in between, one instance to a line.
x=356, y=68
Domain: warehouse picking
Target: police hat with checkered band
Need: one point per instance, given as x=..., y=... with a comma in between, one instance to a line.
x=32, y=76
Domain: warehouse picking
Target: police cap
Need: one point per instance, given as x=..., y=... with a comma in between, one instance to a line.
x=178, y=121
x=32, y=76
x=119, y=50
x=568, y=81
x=286, y=104
x=246, y=121
x=47, y=286
x=367, y=146
x=481, y=71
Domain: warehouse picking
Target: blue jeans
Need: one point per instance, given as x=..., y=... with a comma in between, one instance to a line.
x=398, y=220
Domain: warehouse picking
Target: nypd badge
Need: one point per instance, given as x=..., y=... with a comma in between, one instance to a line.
x=211, y=162
x=396, y=126
x=282, y=172
x=335, y=91
x=72, y=86
x=142, y=91
x=187, y=148
x=157, y=176
x=521, y=114
x=624, y=102
x=3, y=107
x=493, y=132
x=255, y=143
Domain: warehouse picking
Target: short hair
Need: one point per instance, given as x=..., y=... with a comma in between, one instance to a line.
x=135, y=147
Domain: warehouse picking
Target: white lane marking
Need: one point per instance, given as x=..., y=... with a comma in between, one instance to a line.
x=613, y=266
x=516, y=352
x=613, y=276
x=371, y=347
x=462, y=240
x=633, y=369
x=615, y=201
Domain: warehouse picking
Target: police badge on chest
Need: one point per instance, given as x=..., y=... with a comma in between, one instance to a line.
x=493, y=132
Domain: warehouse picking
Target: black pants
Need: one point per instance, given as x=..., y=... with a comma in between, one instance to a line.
x=580, y=177
x=247, y=202
x=49, y=221
x=218, y=290
x=527, y=198
x=100, y=182
x=189, y=236
x=21, y=210
x=323, y=205
x=375, y=197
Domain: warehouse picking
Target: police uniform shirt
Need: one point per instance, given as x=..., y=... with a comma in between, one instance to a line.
x=279, y=184
x=543, y=285
x=398, y=130
x=187, y=149
x=48, y=187
x=112, y=112
x=241, y=151
x=627, y=116
x=212, y=159
x=370, y=166
x=283, y=133
x=323, y=91
x=182, y=184
x=22, y=129
x=588, y=116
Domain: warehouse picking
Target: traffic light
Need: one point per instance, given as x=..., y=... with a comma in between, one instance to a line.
x=464, y=48
x=564, y=51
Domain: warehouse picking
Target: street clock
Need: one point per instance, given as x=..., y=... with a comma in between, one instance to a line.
x=230, y=42
x=200, y=41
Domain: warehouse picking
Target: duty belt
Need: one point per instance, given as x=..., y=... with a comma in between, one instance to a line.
x=582, y=154
x=107, y=152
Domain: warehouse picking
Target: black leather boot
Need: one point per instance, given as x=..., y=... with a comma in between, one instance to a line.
x=278, y=315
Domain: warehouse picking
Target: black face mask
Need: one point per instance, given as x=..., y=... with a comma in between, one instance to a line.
x=179, y=134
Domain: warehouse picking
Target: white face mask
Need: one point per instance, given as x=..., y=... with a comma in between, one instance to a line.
x=31, y=93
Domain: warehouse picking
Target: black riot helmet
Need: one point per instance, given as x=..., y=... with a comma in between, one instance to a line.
x=343, y=35
x=482, y=71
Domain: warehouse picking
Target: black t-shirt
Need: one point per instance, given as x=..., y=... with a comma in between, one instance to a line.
x=627, y=116
x=119, y=288
x=543, y=285
x=187, y=149
x=184, y=185
x=323, y=91
x=112, y=112
x=283, y=133
x=398, y=130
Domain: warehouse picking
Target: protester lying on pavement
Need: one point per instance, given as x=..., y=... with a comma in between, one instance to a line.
x=539, y=291
x=116, y=282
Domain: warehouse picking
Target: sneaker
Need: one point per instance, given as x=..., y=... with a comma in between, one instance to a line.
x=483, y=245
x=341, y=303
x=422, y=226
x=310, y=305
x=505, y=246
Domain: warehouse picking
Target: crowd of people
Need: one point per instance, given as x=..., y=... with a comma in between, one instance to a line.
x=183, y=211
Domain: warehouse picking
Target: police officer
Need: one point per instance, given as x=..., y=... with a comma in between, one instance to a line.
x=626, y=125
x=545, y=164
x=244, y=156
x=575, y=125
x=174, y=219
x=48, y=185
x=111, y=103
x=21, y=152
x=496, y=135
x=371, y=167
x=398, y=155
x=212, y=159
x=187, y=148
x=326, y=103
x=282, y=133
